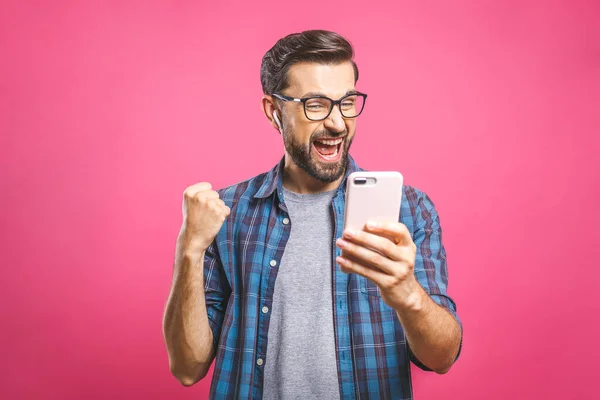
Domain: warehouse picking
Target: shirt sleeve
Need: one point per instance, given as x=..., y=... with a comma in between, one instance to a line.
x=216, y=291
x=431, y=268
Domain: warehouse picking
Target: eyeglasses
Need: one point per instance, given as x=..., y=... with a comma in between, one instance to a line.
x=318, y=108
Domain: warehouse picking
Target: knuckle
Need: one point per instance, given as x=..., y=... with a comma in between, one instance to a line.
x=386, y=284
x=188, y=193
x=192, y=190
x=401, y=274
x=203, y=200
x=389, y=247
x=203, y=186
x=375, y=258
x=391, y=282
x=210, y=194
x=408, y=256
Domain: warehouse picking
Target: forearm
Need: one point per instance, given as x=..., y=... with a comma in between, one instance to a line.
x=433, y=334
x=187, y=333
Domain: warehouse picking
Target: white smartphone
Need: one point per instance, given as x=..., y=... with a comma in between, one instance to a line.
x=373, y=195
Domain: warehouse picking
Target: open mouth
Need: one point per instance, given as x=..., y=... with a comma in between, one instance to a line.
x=329, y=149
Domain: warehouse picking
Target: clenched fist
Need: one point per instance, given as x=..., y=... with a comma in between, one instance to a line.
x=203, y=215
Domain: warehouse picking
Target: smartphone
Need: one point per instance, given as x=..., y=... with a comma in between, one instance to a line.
x=373, y=195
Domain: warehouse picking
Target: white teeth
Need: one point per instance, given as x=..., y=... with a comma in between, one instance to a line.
x=332, y=156
x=331, y=142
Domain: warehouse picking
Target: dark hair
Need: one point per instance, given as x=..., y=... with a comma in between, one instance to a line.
x=316, y=46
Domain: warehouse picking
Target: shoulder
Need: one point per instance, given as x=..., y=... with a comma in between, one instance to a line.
x=243, y=191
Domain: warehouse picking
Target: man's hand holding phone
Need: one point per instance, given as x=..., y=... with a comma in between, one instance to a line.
x=374, y=244
x=384, y=253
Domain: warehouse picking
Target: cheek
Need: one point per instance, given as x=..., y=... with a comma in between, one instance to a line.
x=299, y=134
x=350, y=126
x=301, y=131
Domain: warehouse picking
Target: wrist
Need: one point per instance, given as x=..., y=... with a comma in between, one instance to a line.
x=415, y=301
x=190, y=249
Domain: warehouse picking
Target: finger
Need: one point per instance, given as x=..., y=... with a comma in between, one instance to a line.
x=216, y=208
x=396, y=231
x=348, y=265
x=367, y=256
x=208, y=195
x=193, y=190
x=221, y=206
x=380, y=244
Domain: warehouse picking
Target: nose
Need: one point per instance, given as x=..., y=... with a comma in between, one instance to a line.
x=335, y=122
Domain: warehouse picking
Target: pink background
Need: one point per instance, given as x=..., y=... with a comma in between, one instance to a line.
x=108, y=111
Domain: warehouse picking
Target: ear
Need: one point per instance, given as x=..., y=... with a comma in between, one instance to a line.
x=268, y=107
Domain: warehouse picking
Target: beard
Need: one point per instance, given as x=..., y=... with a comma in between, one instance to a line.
x=303, y=157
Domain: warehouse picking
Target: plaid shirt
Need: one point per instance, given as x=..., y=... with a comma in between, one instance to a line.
x=240, y=268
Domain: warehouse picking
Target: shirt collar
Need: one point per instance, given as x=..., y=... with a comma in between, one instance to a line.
x=272, y=180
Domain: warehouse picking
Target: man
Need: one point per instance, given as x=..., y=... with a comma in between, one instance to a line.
x=259, y=282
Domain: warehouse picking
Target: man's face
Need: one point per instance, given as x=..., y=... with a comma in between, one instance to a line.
x=318, y=147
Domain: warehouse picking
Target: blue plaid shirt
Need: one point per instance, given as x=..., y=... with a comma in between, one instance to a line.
x=240, y=268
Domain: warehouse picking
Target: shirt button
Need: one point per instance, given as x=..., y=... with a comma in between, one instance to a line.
x=265, y=309
x=259, y=362
x=286, y=221
x=273, y=263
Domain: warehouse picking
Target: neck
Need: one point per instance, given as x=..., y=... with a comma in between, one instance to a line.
x=297, y=180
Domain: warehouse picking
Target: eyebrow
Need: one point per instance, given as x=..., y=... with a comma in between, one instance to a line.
x=317, y=94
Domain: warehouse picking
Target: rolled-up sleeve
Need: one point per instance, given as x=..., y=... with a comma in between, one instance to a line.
x=431, y=269
x=216, y=291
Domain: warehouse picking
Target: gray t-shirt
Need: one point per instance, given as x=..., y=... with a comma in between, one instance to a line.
x=300, y=362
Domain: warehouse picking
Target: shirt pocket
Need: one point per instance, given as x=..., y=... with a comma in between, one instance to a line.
x=368, y=287
x=370, y=298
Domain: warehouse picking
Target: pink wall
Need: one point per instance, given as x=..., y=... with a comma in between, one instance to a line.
x=108, y=111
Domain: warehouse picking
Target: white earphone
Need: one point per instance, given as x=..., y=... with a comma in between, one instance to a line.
x=276, y=119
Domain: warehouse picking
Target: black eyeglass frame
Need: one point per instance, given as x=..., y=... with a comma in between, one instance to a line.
x=333, y=103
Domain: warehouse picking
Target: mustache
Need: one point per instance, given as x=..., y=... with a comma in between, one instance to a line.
x=327, y=135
